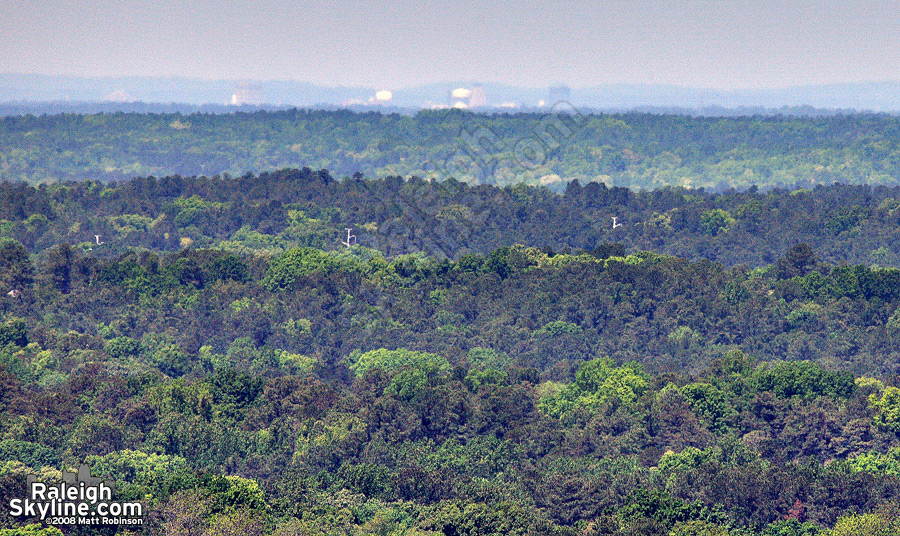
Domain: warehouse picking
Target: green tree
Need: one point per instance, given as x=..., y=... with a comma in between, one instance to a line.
x=865, y=525
x=709, y=403
x=887, y=404
x=31, y=530
x=716, y=221
x=804, y=379
x=391, y=361
x=596, y=383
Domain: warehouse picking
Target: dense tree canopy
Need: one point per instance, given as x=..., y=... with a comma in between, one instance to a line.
x=633, y=150
x=478, y=361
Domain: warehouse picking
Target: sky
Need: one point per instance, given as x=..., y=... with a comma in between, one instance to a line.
x=716, y=44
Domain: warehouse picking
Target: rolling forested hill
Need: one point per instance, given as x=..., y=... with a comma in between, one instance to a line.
x=633, y=150
x=271, y=212
x=532, y=349
x=481, y=360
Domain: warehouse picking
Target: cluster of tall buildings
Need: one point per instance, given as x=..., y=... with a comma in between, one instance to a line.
x=472, y=97
x=465, y=98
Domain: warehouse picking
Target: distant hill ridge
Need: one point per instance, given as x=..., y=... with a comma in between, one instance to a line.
x=637, y=150
x=883, y=96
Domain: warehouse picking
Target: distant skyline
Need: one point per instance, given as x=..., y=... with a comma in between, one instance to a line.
x=716, y=44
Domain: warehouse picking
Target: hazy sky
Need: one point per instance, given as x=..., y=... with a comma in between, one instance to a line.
x=724, y=44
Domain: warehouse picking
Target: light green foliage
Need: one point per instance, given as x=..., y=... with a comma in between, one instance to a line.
x=698, y=528
x=521, y=257
x=304, y=231
x=327, y=434
x=25, y=363
x=241, y=304
x=866, y=525
x=875, y=463
x=596, y=383
x=893, y=323
x=869, y=382
x=683, y=335
x=730, y=453
x=297, y=328
x=646, y=256
x=716, y=221
x=171, y=360
x=393, y=360
x=476, y=378
x=241, y=352
x=179, y=397
x=557, y=328
x=882, y=256
x=791, y=527
x=287, y=271
x=127, y=224
x=296, y=364
x=209, y=359
x=234, y=387
x=632, y=259
x=465, y=518
x=408, y=384
x=190, y=210
x=139, y=475
x=667, y=510
x=410, y=266
x=846, y=218
x=248, y=241
x=449, y=319
x=732, y=364
x=123, y=347
x=563, y=260
x=31, y=530
x=688, y=458
x=36, y=222
x=242, y=492
x=888, y=406
x=485, y=358
x=804, y=315
x=845, y=280
x=735, y=293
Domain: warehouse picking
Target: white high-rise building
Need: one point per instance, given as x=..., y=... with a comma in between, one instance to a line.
x=246, y=93
x=478, y=98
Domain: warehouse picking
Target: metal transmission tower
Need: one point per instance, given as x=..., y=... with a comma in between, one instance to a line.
x=351, y=238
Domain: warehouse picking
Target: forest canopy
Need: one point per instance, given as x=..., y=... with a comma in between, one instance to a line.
x=522, y=391
x=288, y=353
x=636, y=150
x=269, y=213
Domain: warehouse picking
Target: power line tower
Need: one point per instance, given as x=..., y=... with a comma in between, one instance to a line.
x=351, y=238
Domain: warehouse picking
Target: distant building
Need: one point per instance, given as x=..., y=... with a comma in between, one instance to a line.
x=245, y=93
x=459, y=97
x=559, y=94
x=478, y=98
